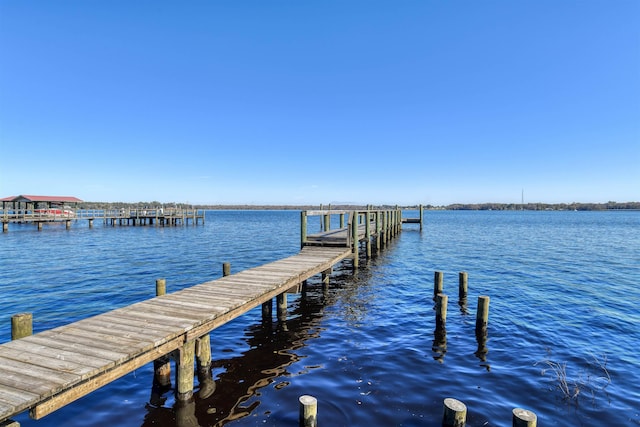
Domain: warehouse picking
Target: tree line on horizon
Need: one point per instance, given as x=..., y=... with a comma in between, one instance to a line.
x=575, y=206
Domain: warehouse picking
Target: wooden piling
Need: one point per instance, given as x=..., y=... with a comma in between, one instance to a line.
x=482, y=315
x=441, y=311
x=203, y=365
x=162, y=365
x=354, y=234
x=463, y=279
x=226, y=269
x=281, y=302
x=437, y=283
x=267, y=308
x=21, y=325
x=367, y=226
x=421, y=216
x=455, y=413
x=185, y=356
x=308, y=411
x=303, y=228
x=524, y=418
x=161, y=287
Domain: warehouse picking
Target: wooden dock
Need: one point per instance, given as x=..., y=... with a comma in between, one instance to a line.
x=111, y=217
x=46, y=371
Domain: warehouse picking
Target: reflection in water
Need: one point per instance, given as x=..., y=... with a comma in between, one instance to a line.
x=439, y=347
x=481, y=353
x=271, y=351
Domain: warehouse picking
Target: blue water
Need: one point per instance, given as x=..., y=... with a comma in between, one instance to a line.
x=564, y=289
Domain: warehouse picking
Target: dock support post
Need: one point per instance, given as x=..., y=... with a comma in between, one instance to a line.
x=162, y=365
x=282, y=306
x=524, y=418
x=21, y=325
x=327, y=221
x=325, y=280
x=303, y=228
x=342, y=220
x=367, y=226
x=184, y=372
x=354, y=234
x=5, y=227
x=267, y=308
x=308, y=411
x=421, y=216
x=39, y=224
x=455, y=413
x=226, y=269
x=91, y=223
x=203, y=364
x=67, y=224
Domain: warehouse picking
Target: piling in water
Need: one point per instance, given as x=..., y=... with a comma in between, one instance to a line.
x=482, y=315
x=462, y=285
x=438, y=283
x=524, y=418
x=455, y=413
x=308, y=411
x=441, y=311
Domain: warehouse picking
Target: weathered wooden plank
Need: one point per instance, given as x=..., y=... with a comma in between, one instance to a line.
x=50, y=375
x=191, y=301
x=16, y=398
x=35, y=359
x=81, y=349
x=29, y=347
x=70, y=395
x=121, y=331
x=96, y=340
x=121, y=318
x=30, y=383
x=173, y=307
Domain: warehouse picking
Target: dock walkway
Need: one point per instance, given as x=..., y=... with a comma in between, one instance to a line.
x=46, y=371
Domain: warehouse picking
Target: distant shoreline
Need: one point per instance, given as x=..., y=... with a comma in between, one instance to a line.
x=609, y=206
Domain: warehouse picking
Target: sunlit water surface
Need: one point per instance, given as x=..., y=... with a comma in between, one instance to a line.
x=564, y=289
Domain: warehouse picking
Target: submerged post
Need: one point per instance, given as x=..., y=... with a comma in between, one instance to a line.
x=21, y=325
x=308, y=411
x=455, y=413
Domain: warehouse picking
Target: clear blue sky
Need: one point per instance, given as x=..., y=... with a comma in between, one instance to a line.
x=296, y=102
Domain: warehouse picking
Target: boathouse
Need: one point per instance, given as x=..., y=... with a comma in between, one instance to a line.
x=30, y=202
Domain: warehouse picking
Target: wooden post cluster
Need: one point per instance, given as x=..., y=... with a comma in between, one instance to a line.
x=455, y=415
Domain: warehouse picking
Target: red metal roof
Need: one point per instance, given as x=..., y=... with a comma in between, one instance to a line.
x=33, y=199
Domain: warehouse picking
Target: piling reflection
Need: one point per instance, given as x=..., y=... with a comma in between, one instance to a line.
x=439, y=347
x=271, y=349
x=482, y=351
